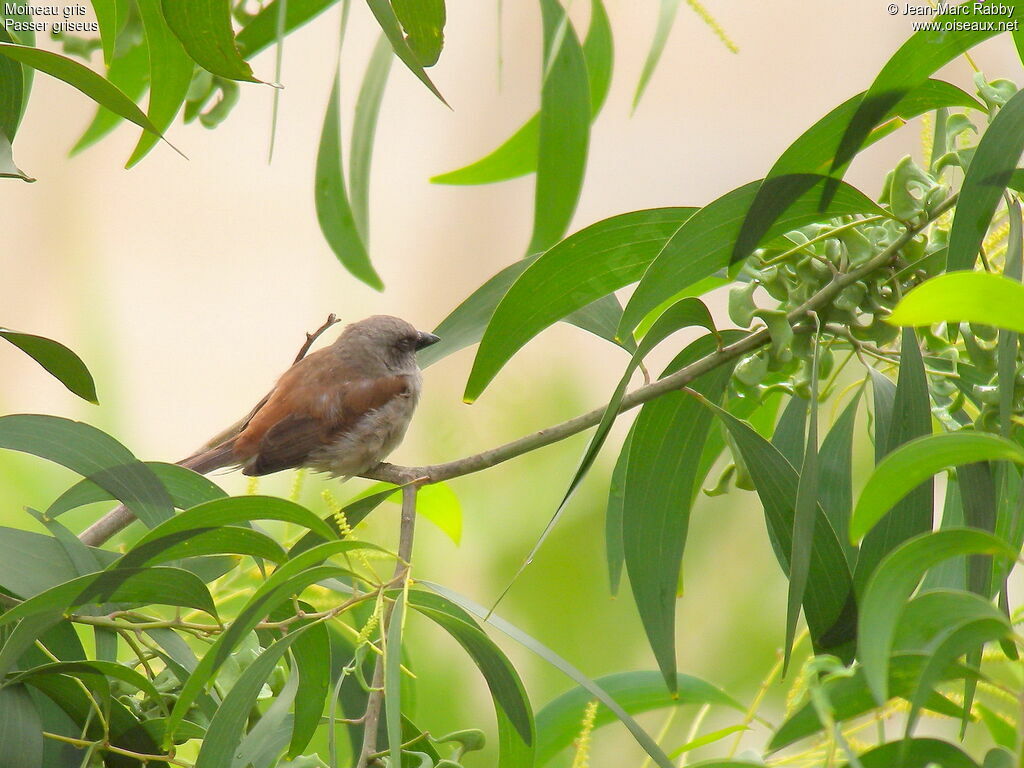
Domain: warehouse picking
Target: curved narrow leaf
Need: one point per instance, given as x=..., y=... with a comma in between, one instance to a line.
x=911, y=418
x=225, y=539
x=835, y=483
x=12, y=92
x=563, y=132
x=994, y=162
x=144, y=586
x=788, y=437
x=516, y=730
x=261, y=30
x=815, y=150
x=667, y=440
x=227, y=726
x=81, y=77
x=895, y=579
x=170, y=75
x=666, y=19
x=185, y=487
x=518, y=155
x=56, y=359
x=104, y=668
x=312, y=654
x=828, y=603
x=613, y=518
x=364, y=128
x=591, y=263
x=204, y=29
x=918, y=58
x=92, y=454
x=240, y=509
x=914, y=753
x=968, y=623
x=642, y=737
x=704, y=244
x=423, y=22
x=558, y=723
x=974, y=297
x=128, y=72
x=21, y=729
x=393, y=680
x=391, y=27
x=107, y=19
x=333, y=211
x=31, y=563
x=914, y=462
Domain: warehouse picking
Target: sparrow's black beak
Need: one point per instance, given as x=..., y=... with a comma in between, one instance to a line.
x=424, y=339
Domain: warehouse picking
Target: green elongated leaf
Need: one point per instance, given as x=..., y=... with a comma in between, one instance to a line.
x=892, y=583
x=8, y=170
x=1002, y=732
x=974, y=297
x=333, y=211
x=911, y=418
x=31, y=563
x=106, y=18
x=518, y=155
x=835, y=475
x=391, y=27
x=704, y=244
x=354, y=512
x=917, y=59
x=788, y=437
x=850, y=697
x=914, y=753
x=393, y=680
x=563, y=135
x=708, y=738
x=978, y=497
x=587, y=265
x=227, y=727
x=804, y=509
x=312, y=654
x=683, y=314
x=641, y=736
x=91, y=668
x=613, y=518
x=185, y=487
x=423, y=22
x=884, y=397
x=12, y=92
x=666, y=19
x=56, y=359
x=240, y=509
x=667, y=439
x=196, y=542
x=828, y=603
x=985, y=181
x=951, y=574
x=516, y=730
x=143, y=586
x=436, y=502
x=267, y=739
x=92, y=454
x=81, y=77
x=204, y=29
x=912, y=463
x=170, y=74
x=364, y=128
x=1008, y=341
x=968, y=622
x=128, y=72
x=289, y=579
x=261, y=30
x=82, y=558
x=558, y=723
x=21, y=730
x=816, y=149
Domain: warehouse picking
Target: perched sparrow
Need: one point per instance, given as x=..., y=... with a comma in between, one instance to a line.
x=339, y=410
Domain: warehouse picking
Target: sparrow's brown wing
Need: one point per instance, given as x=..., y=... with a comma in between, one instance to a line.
x=298, y=421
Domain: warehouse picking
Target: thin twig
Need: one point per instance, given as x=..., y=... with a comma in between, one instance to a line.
x=312, y=337
x=375, y=701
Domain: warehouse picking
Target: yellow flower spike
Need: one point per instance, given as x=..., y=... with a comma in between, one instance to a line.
x=298, y=479
x=337, y=513
x=715, y=27
x=252, y=486
x=927, y=137
x=371, y=623
x=582, y=757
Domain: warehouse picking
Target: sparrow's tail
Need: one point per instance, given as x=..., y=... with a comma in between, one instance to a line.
x=205, y=461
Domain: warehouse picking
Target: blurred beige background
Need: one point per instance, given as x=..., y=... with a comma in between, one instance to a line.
x=187, y=286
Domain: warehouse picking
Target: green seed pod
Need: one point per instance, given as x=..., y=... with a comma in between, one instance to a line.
x=774, y=282
x=987, y=394
x=741, y=304
x=751, y=370
x=743, y=479
x=721, y=486
x=910, y=186
x=987, y=420
x=781, y=332
x=982, y=357
x=858, y=247
x=984, y=332
x=826, y=362
x=850, y=297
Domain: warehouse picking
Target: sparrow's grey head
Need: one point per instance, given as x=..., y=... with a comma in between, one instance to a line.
x=385, y=339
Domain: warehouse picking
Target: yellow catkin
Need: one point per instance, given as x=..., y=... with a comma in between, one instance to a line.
x=715, y=27
x=252, y=486
x=298, y=479
x=337, y=513
x=582, y=756
x=927, y=137
x=795, y=695
x=371, y=624
x=996, y=238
